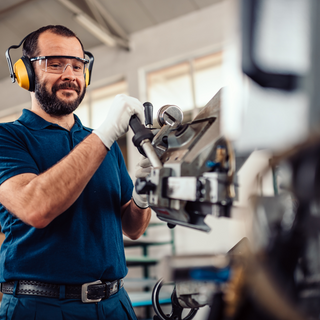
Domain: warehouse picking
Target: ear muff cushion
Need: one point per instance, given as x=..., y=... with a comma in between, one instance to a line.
x=24, y=73
x=30, y=70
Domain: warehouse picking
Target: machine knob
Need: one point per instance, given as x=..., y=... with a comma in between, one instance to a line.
x=170, y=114
x=148, y=114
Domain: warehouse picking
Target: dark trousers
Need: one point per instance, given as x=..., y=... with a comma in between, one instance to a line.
x=26, y=307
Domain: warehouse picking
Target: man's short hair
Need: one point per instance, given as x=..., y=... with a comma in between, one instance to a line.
x=30, y=45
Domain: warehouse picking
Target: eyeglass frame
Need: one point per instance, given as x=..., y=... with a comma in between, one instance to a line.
x=39, y=58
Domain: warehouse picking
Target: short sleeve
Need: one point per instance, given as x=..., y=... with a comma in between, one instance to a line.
x=14, y=156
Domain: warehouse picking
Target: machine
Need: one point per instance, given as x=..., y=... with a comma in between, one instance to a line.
x=274, y=273
x=195, y=176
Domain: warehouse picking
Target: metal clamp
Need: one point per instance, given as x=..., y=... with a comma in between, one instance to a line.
x=84, y=292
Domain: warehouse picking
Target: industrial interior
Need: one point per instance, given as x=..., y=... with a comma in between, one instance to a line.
x=232, y=135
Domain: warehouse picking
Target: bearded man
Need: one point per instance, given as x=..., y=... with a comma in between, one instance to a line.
x=65, y=195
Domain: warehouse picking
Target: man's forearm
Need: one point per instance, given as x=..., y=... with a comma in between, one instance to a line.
x=134, y=220
x=40, y=199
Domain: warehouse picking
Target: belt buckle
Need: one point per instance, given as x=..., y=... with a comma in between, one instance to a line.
x=84, y=292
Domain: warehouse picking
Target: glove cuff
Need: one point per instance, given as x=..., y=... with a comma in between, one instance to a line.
x=107, y=142
x=140, y=200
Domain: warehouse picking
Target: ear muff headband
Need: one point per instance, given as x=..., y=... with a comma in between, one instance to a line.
x=22, y=69
x=24, y=73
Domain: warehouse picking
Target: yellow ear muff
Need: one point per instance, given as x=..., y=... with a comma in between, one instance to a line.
x=24, y=73
x=21, y=74
x=87, y=77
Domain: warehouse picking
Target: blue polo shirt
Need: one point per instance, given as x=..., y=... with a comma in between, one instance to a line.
x=84, y=243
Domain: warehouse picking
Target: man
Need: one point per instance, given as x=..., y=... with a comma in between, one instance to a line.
x=65, y=195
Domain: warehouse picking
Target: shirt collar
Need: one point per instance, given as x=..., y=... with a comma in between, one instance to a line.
x=35, y=122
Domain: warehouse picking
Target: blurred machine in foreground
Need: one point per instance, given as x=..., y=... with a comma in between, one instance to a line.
x=272, y=103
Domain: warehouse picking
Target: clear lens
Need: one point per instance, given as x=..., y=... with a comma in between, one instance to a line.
x=59, y=65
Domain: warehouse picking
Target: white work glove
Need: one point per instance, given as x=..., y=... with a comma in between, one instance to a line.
x=143, y=168
x=117, y=121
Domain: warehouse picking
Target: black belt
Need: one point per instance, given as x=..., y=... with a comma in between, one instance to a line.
x=88, y=292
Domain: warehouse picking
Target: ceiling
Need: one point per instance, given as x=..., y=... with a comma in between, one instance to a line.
x=111, y=21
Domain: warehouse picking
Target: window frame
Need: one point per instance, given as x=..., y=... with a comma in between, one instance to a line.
x=190, y=58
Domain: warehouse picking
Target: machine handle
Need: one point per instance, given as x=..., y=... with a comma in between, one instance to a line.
x=142, y=140
x=148, y=113
x=136, y=124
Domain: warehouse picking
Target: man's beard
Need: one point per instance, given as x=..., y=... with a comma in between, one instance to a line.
x=51, y=104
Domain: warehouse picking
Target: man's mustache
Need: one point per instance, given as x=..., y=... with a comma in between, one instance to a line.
x=65, y=85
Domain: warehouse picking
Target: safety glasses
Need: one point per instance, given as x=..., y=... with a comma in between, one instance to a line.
x=58, y=64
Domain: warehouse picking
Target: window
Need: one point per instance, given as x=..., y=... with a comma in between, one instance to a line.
x=96, y=103
x=208, y=78
x=170, y=85
x=83, y=112
x=189, y=84
x=94, y=108
x=102, y=100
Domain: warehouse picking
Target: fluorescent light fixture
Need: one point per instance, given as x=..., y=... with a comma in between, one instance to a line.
x=95, y=29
